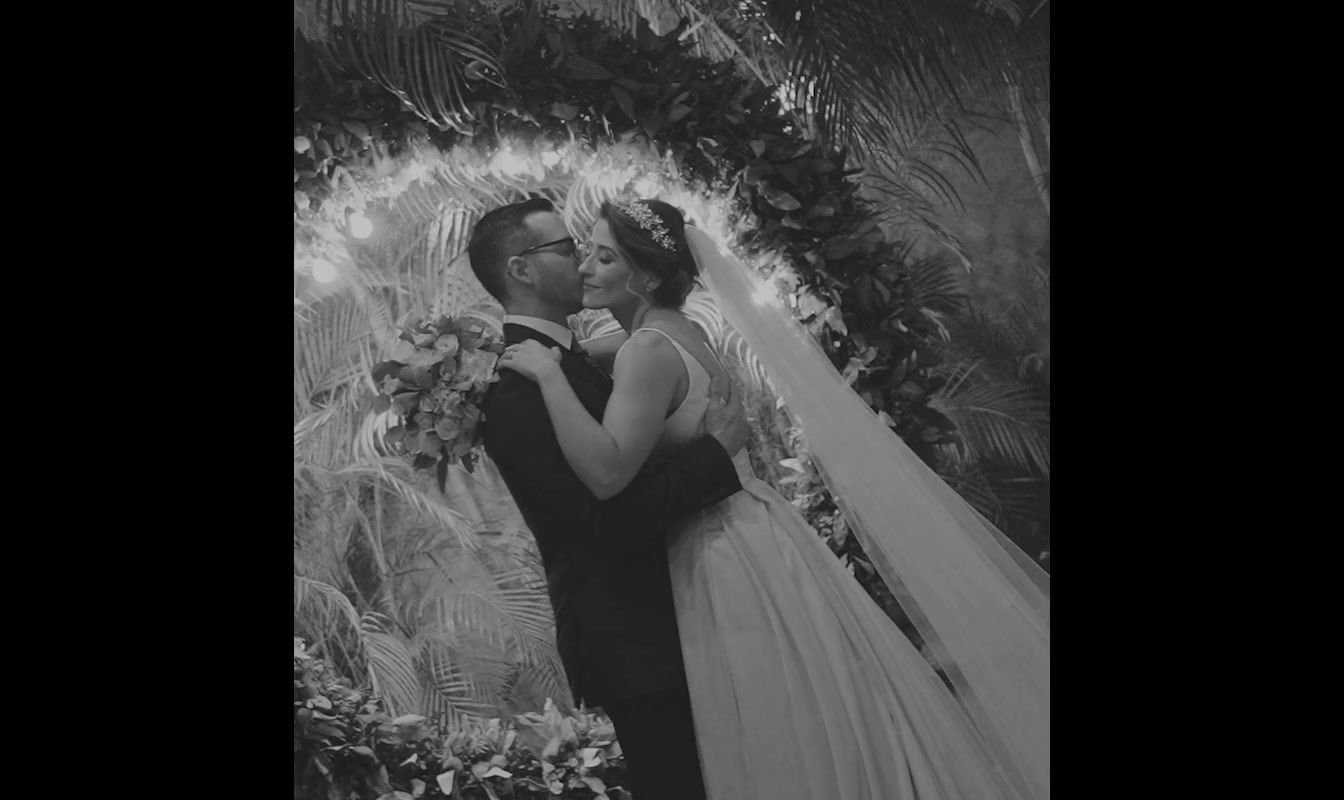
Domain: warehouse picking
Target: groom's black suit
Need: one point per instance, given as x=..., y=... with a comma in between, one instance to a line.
x=606, y=562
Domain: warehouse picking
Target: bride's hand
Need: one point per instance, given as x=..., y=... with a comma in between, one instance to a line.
x=531, y=359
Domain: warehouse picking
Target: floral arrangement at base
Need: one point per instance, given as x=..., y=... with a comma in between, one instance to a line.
x=435, y=380
x=347, y=748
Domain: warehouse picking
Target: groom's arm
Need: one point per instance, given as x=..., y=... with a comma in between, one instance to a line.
x=518, y=433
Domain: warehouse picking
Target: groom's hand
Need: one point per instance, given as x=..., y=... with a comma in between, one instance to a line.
x=725, y=418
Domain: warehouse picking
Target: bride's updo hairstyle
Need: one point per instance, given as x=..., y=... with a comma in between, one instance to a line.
x=653, y=235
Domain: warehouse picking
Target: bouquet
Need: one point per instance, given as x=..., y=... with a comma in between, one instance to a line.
x=435, y=381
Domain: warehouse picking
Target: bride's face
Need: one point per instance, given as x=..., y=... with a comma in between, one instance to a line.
x=608, y=276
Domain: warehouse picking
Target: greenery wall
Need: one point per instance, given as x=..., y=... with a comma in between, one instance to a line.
x=440, y=606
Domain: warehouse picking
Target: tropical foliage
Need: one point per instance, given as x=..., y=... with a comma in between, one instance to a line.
x=347, y=746
x=421, y=115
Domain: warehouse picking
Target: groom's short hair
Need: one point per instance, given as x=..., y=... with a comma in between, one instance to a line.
x=499, y=235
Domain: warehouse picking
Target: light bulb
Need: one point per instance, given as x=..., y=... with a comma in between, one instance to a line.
x=510, y=163
x=765, y=295
x=323, y=271
x=361, y=227
x=646, y=187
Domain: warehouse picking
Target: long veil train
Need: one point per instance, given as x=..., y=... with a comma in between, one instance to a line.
x=980, y=603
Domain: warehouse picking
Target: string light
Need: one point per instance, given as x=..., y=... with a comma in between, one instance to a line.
x=323, y=271
x=361, y=227
x=765, y=295
x=646, y=186
x=509, y=162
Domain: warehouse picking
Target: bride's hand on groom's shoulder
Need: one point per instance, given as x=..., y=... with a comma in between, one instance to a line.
x=530, y=359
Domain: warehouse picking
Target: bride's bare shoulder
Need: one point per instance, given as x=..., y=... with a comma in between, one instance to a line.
x=648, y=348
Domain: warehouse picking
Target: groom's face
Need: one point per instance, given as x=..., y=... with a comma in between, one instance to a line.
x=555, y=266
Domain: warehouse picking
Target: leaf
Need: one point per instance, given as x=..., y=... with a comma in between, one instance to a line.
x=424, y=377
x=758, y=147
x=496, y=772
x=425, y=358
x=779, y=198
x=328, y=730
x=677, y=114
x=301, y=144
x=565, y=111
x=839, y=247
x=833, y=318
x=430, y=443
x=358, y=129
x=445, y=782
x=384, y=369
x=583, y=69
x=406, y=402
x=417, y=787
x=757, y=170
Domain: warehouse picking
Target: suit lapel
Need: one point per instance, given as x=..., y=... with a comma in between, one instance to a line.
x=575, y=367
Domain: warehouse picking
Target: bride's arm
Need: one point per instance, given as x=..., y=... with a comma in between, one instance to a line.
x=606, y=456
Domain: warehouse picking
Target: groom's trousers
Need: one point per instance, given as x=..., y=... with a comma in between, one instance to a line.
x=657, y=737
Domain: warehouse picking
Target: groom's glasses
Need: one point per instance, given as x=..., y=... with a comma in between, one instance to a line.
x=568, y=247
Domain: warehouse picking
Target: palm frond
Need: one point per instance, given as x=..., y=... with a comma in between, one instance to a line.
x=419, y=51
x=391, y=667
x=531, y=686
x=1008, y=345
x=969, y=481
x=324, y=616
x=1003, y=420
x=397, y=476
x=933, y=284
x=748, y=371
x=454, y=695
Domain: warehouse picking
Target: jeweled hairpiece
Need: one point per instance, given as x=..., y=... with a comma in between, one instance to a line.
x=640, y=212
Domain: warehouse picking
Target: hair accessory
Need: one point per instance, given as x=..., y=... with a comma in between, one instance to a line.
x=640, y=212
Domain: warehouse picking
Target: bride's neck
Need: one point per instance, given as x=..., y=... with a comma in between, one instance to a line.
x=632, y=316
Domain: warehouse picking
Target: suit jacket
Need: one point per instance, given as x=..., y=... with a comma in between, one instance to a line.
x=605, y=561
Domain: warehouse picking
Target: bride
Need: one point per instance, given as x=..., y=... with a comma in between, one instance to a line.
x=801, y=686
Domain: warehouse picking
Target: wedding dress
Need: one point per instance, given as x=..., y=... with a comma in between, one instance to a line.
x=801, y=687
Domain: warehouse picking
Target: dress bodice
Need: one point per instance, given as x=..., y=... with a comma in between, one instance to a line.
x=683, y=425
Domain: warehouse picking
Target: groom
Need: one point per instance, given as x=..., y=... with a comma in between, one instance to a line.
x=606, y=561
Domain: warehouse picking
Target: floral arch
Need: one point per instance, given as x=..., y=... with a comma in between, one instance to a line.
x=387, y=184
